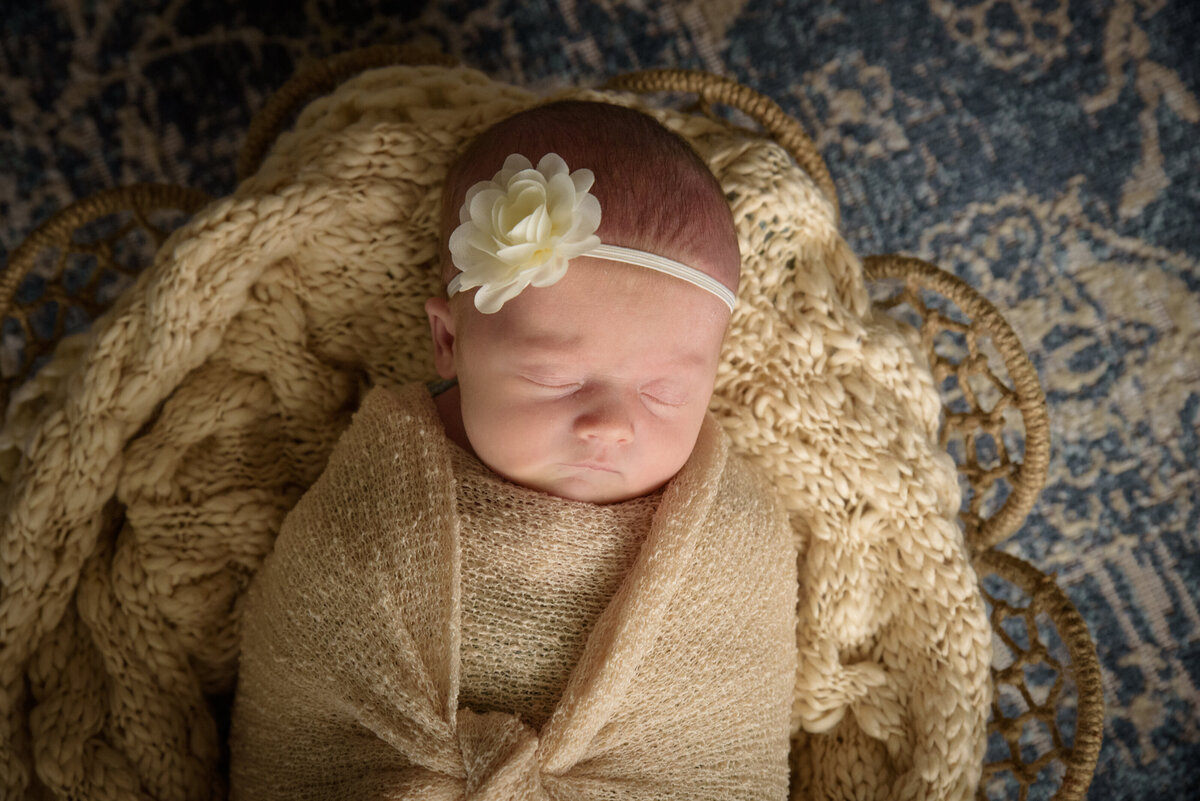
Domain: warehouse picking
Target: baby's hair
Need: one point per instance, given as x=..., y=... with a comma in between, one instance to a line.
x=655, y=192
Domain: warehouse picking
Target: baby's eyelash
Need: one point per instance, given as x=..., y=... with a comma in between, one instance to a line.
x=563, y=387
x=663, y=401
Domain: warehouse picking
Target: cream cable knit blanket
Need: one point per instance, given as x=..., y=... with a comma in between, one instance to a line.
x=146, y=471
x=350, y=666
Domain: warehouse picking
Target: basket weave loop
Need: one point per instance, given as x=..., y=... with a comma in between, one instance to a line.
x=1046, y=597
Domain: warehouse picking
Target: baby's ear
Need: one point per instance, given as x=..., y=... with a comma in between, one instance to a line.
x=441, y=325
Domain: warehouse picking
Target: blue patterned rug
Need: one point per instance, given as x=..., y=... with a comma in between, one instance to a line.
x=1044, y=150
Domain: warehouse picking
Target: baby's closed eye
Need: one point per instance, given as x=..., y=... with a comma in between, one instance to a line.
x=664, y=395
x=552, y=385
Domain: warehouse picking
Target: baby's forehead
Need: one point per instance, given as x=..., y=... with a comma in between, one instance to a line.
x=571, y=350
x=651, y=318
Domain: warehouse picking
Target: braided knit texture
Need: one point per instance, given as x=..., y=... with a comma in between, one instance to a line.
x=147, y=472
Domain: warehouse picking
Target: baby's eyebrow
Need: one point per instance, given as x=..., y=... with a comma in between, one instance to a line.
x=553, y=343
x=548, y=341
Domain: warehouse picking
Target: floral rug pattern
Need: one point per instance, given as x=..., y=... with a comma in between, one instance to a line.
x=1044, y=150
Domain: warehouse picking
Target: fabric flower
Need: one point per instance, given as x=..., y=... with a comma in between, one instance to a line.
x=522, y=227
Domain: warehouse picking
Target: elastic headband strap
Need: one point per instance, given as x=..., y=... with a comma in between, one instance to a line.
x=662, y=264
x=650, y=261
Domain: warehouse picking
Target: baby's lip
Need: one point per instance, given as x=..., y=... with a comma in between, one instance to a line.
x=599, y=466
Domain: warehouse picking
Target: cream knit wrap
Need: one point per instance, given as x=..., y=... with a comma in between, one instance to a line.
x=350, y=660
x=148, y=468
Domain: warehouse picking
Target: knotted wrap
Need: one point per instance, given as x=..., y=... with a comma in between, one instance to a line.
x=349, y=673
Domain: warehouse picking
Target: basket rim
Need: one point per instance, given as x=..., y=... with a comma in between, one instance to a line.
x=1031, y=400
x=1084, y=668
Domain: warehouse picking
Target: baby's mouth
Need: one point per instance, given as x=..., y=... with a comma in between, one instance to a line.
x=596, y=466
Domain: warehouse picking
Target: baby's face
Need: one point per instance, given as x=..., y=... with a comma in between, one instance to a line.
x=593, y=389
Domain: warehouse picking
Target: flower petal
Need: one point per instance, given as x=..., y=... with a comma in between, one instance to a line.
x=491, y=297
x=464, y=211
x=583, y=180
x=544, y=226
x=482, y=204
x=551, y=165
x=517, y=219
x=518, y=255
x=483, y=268
x=550, y=272
x=587, y=215
x=514, y=164
x=579, y=247
x=560, y=192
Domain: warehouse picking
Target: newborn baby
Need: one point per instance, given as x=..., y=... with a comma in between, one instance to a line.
x=551, y=579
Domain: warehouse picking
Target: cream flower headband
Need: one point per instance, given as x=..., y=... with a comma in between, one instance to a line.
x=523, y=227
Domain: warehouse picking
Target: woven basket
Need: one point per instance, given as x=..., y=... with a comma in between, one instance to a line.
x=1047, y=716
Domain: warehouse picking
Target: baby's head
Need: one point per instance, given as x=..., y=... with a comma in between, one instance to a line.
x=591, y=382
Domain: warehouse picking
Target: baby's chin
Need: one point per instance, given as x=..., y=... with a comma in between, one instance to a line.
x=586, y=492
x=586, y=485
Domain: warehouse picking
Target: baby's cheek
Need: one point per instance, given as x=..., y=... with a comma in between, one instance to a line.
x=515, y=438
x=677, y=444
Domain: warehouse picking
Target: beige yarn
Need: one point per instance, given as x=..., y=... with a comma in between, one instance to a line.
x=208, y=399
x=350, y=670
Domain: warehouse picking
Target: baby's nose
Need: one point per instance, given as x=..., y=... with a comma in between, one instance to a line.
x=606, y=418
